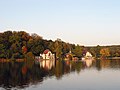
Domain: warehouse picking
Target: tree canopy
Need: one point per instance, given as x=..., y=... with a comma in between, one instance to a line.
x=17, y=44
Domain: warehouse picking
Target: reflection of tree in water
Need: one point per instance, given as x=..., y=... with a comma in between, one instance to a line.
x=20, y=75
x=98, y=66
x=109, y=64
x=23, y=74
x=115, y=64
x=66, y=67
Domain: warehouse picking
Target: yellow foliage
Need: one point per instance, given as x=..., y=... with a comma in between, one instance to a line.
x=105, y=52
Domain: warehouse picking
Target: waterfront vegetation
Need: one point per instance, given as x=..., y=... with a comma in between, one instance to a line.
x=20, y=44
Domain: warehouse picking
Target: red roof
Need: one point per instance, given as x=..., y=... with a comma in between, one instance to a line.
x=46, y=51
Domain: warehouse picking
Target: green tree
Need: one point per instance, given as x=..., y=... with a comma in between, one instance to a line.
x=78, y=51
x=58, y=48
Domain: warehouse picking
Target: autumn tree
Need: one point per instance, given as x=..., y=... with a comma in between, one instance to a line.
x=105, y=52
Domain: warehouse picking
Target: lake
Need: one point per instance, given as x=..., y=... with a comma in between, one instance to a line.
x=61, y=75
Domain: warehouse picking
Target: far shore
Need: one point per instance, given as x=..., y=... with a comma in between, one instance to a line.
x=114, y=58
x=2, y=60
x=110, y=58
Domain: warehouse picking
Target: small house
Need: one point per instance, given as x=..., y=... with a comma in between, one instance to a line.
x=47, y=54
x=88, y=54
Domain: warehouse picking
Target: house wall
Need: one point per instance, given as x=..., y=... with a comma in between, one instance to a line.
x=49, y=55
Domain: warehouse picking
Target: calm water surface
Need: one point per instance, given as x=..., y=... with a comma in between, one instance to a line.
x=48, y=75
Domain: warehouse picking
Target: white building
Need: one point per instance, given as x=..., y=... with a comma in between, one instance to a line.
x=88, y=54
x=47, y=54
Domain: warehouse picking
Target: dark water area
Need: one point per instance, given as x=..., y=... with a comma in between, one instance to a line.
x=60, y=75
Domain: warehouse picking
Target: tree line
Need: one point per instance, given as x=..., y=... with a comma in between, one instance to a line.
x=19, y=44
x=105, y=51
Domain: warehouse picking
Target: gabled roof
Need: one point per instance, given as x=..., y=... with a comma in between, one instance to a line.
x=46, y=51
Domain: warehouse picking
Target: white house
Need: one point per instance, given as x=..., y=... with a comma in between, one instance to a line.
x=47, y=54
x=88, y=54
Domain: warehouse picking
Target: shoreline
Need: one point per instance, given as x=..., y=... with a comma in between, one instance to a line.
x=10, y=60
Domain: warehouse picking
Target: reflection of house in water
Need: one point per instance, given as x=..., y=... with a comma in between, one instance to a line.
x=88, y=63
x=47, y=59
x=47, y=64
x=47, y=54
x=88, y=59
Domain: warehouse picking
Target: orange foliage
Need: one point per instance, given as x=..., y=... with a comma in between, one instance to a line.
x=24, y=49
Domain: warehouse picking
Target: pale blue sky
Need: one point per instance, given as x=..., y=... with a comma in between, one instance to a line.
x=84, y=22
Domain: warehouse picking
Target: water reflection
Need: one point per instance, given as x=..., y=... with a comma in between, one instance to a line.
x=88, y=62
x=23, y=74
x=47, y=64
x=107, y=64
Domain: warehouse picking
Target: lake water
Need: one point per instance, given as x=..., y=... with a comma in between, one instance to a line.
x=48, y=75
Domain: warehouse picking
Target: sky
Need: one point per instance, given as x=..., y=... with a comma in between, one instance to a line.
x=83, y=22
